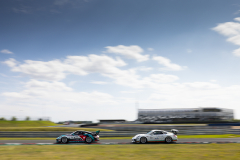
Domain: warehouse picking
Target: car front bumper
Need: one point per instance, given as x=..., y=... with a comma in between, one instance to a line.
x=134, y=140
x=58, y=140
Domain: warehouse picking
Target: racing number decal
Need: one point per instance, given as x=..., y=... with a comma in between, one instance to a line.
x=82, y=137
x=76, y=137
x=72, y=137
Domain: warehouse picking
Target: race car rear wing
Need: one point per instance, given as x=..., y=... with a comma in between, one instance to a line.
x=97, y=132
x=174, y=131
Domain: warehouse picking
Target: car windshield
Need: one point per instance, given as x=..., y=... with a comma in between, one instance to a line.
x=149, y=132
x=73, y=133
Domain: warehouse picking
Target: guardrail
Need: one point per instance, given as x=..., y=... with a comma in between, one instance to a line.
x=115, y=134
x=167, y=128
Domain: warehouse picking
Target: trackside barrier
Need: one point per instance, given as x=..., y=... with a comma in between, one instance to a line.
x=115, y=134
x=167, y=128
x=224, y=124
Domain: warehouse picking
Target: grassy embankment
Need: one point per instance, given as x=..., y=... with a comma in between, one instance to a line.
x=138, y=152
x=44, y=129
x=26, y=123
x=38, y=126
x=23, y=126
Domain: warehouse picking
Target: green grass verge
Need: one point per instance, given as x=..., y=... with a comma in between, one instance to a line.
x=209, y=136
x=120, y=152
x=70, y=129
x=26, y=123
x=101, y=138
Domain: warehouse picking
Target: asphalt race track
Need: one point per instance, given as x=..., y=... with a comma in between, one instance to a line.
x=126, y=141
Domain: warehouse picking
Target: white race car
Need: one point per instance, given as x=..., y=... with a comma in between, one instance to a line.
x=156, y=136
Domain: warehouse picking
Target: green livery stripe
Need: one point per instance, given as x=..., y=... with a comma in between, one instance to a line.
x=160, y=140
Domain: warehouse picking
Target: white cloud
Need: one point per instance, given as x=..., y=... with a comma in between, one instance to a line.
x=131, y=79
x=228, y=28
x=51, y=70
x=234, y=39
x=144, y=68
x=58, y=93
x=83, y=65
x=150, y=49
x=61, y=99
x=3, y=75
x=16, y=95
x=168, y=65
x=57, y=70
x=50, y=86
x=236, y=52
x=232, y=31
x=213, y=80
x=10, y=62
x=201, y=85
x=130, y=52
x=237, y=19
x=163, y=78
x=72, y=83
x=22, y=9
x=183, y=96
x=131, y=92
x=98, y=82
x=6, y=51
x=158, y=90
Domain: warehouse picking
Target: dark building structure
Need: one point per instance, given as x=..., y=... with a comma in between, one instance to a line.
x=184, y=114
x=112, y=120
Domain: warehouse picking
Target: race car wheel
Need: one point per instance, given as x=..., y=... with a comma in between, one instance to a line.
x=143, y=140
x=88, y=140
x=64, y=140
x=168, y=140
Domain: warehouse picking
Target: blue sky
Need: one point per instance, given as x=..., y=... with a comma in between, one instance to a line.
x=91, y=59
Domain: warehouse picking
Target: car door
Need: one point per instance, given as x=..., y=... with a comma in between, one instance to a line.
x=73, y=136
x=81, y=135
x=157, y=136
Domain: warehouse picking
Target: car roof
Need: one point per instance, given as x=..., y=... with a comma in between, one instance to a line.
x=82, y=131
x=79, y=131
x=156, y=130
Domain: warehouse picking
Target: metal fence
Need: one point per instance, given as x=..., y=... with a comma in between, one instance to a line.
x=146, y=128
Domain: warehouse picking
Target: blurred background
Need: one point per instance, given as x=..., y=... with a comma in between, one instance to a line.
x=128, y=66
